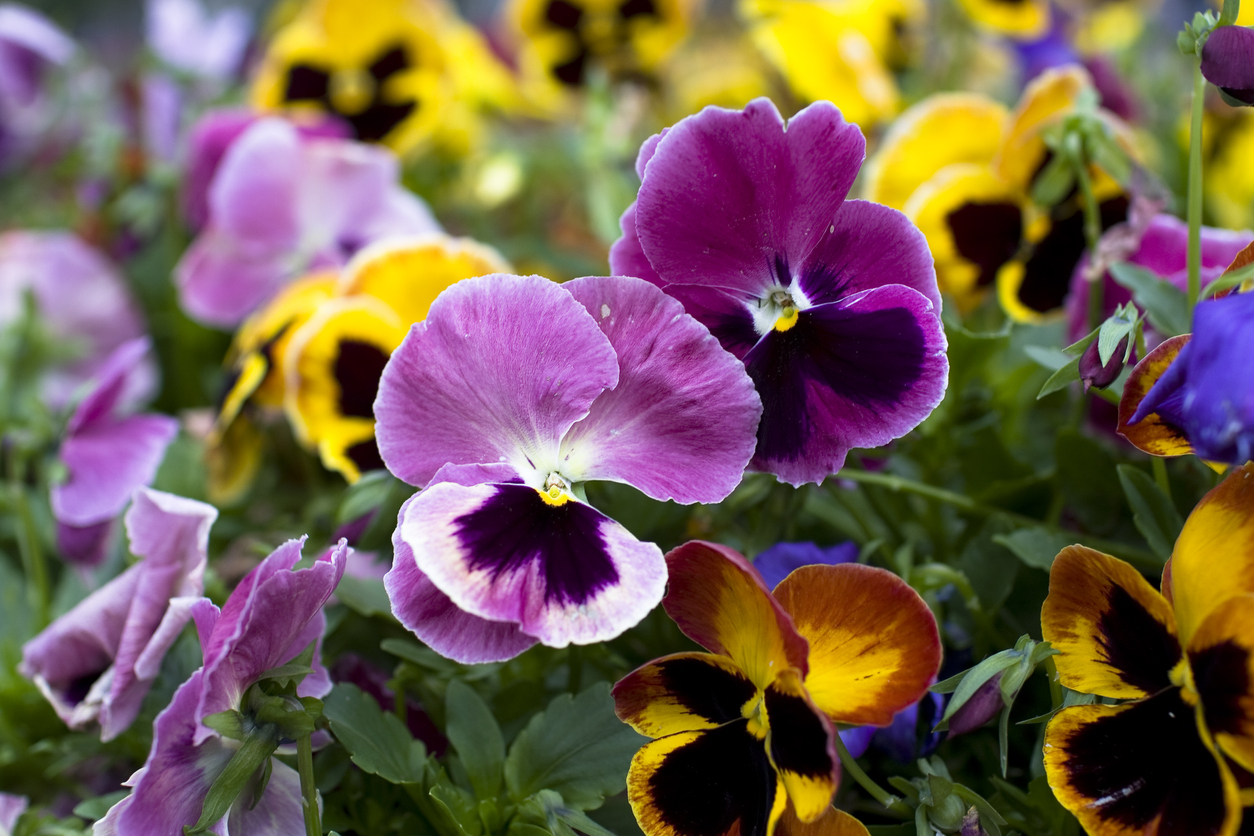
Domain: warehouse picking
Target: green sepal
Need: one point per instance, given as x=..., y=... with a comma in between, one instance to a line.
x=1229, y=278
x=230, y=724
x=971, y=681
x=1231, y=10
x=258, y=745
x=1117, y=327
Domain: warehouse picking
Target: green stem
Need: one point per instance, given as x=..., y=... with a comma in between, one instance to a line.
x=1055, y=687
x=883, y=796
x=1160, y=475
x=1195, y=185
x=32, y=556
x=1092, y=236
x=304, y=762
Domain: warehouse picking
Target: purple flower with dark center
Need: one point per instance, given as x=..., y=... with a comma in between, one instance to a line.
x=281, y=205
x=511, y=394
x=97, y=661
x=777, y=562
x=271, y=618
x=1228, y=63
x=1208, y=390
x=831, y=303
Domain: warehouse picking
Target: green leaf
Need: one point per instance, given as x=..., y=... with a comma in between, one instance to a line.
x=969, y=682
x=1114, y=330
x=460, y=807
x=1086, y=474
x=576, y=747
x=94, y=809
x=364, y=496
x=378, y=534
x=364, y=596
x=1054, y=182
x=1036, y=547
x=378, y=742
x=259, y=744
x=1229, y=278
x=1153, y=512
x=1061, y=379
x=474, y=733
x=1165, y=304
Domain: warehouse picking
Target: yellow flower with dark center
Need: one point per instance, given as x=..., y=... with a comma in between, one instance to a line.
x=1182, y=660
x=1025, y=20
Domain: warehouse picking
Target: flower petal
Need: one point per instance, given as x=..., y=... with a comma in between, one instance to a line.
x=221, y=282
x=433, y=617
x=728, y=314
x=727, y=192
x=1221, y=656
x=627, y=257
x=1214, y=555
x=279, y=812
x=499, y=371
x=253, y=195
x=563, y=573
x=800, y=742
x=777, y=562
x=832, y=823
x=1115, y=633
x=1141, y=767
x=857, y=373
x=682, y=692
x=706, y=783
x=719, y=601
x=1150, y=432
x=1227, y=61
x=107, y=461
x=680, y=423
x=874, y=647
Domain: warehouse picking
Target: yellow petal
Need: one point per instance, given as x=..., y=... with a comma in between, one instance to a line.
x=1023, y=19
x=1221, y=659
x=1152, y=434
x=683, y=692
x=832, y=823
x=799, y=739
x=1047, y=98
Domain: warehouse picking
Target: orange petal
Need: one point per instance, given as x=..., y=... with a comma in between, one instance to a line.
x=1221, y=659
x=683, y=692
x=800, y=742
x=874, y=647
x=718, y=599
x=1116, y=635
x=1152, y=434
x=1214, y=555
x=832, y=823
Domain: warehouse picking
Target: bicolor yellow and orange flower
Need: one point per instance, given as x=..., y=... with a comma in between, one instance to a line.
x=1161, y=762
x=962, y=168
x=745, y=732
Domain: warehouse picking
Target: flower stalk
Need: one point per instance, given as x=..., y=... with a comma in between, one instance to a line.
x=308, y=787
x=883, y=796
x=1195, y=184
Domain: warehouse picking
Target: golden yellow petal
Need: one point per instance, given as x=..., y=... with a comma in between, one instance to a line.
x=1023, y=19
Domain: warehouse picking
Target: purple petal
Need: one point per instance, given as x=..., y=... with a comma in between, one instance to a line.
x=111, y=384
x=161, y=113
x=220, y=283
x=107, y=461
x=1228, y=61
x=626, y=256
x=11, y=809
x=279, y=812
x=85, y=545
x=28, y=43
x=253, y=197
x=777, y=562
x=184, y=35
x=857, y=739
x=728, y=192
x=497, y=373
x=436, y=620
x=565, y=574
x=857, y=373
x=647, y=149
x=680, y=423
x=985, y=704
x=868, y=246
x=728, y=314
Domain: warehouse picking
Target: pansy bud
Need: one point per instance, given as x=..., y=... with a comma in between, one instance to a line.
x=1228, y=63
x=983, y=706
x=1094, y=373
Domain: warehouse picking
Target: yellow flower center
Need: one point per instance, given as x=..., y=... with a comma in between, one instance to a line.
x=351, y=90
x=755, y=712
x=787, y=319
x=1182, y=677
x=555, y=491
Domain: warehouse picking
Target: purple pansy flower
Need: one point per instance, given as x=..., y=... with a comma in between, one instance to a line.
x=777, y=562
x=11, y=809
x=108, y=454
x=29, y=45
x=831, y=303
x=281, y=205
x=1228, y=62
x=900, y=739
x=184, y=34
x=513, y=392
x=97, y=661
x=270, y=618
x=1208, y=391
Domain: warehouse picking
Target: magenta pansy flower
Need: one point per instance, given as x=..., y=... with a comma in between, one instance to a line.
x=97, y=661
x=270, y=618
x=280, y=205
x=501, y=404
x=832, y=304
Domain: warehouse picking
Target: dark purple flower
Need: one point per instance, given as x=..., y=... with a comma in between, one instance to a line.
x=280, y=206
x=985, y=704
x=1228, y=62
x=777, y=562
x=1208, y=390
x=270, y=618
x=97, y=661
x=512, y=393
x=1093, y=373
x=11, y=809
x=108, y=454
x=831, y=303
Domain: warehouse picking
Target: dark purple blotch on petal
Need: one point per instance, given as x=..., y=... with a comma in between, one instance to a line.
x=516, y=527
x=1221, y=675
x=358, y=367
x=1228, y=62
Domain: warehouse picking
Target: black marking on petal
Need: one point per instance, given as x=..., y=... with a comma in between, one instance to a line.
x=571, y=72
x=563, y=15
x=1047, y=273
x=987, y=235
x=1145, y=761
x=358, y=367
x=798, y=738
x=706, y=690
x=870, y=358
x=365, y=454
x=379, y=120
x=306, y=82
x=637, y=8
x=1136, y=644
x=391, y=62
x=780, y=268
x=720, y=778
x=516, y=527
x=1222, y=676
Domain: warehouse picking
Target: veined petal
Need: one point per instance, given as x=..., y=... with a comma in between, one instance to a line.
x=799, y=739
x=1221, y=658
x=563, y=573
x=786, y=186
x=832, y=823
x=682, y=692
x=728, y=314
x=1140, y=767
x=1150, y=432
x=1214, y=555
x=680, y=423
x=718, y=599
x=717, y=782
x=1115, y=633
x=857, y=373
x=499, y=371
x=627, y=258
x=874, y=647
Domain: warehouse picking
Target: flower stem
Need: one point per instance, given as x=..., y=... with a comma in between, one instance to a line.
x=32, y=556
x=304, y=762
x=1160, y=475
x=1195, y=185
x=880, y=794
x=1092, y=236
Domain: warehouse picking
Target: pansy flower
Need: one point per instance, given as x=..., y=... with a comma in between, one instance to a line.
x=1226, y=63
x=1021, y=19
x=831, y=303
x=1182, y=662
x=745, y=731
x=30, y=45
x=510, y=395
